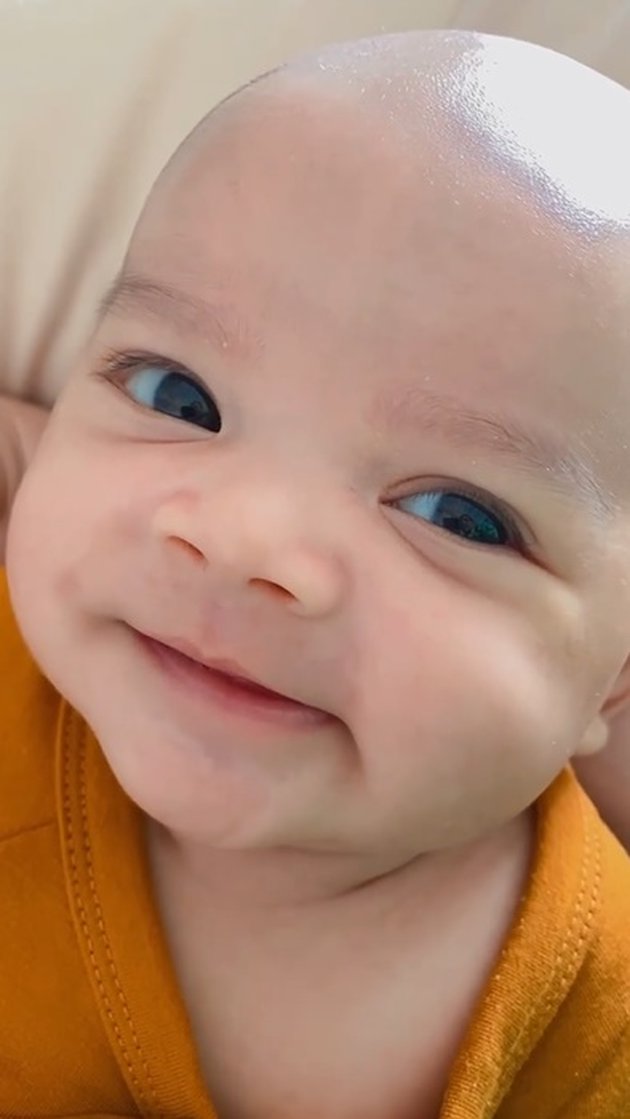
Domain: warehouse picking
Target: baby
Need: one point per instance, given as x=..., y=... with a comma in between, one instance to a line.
x=295, y=667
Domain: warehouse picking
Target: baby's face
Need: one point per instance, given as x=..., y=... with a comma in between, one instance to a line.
x=286, y=446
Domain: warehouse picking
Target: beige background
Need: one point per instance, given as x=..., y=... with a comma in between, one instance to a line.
x=95, y=94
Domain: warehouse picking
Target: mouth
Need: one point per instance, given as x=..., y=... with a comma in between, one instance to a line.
x=225, y=682
x=230, y=669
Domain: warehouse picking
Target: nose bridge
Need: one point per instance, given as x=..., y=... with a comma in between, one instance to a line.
x=275, y=500
x=268, y=528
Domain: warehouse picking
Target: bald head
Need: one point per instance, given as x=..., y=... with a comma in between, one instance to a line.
x=554, y=128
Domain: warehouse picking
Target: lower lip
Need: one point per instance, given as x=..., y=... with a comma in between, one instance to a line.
x=228, y=693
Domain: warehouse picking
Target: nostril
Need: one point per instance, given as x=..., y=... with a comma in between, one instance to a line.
x=186, y=547
x=273, y=589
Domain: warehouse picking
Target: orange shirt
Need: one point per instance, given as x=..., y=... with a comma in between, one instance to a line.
x=91, y=1018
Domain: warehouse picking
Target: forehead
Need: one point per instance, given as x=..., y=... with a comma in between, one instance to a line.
x=323, y=223
x=317, y=192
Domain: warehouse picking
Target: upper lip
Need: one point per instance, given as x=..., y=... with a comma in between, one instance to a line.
x=227, y=667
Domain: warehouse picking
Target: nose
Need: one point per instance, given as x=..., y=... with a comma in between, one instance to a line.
x=257, y=540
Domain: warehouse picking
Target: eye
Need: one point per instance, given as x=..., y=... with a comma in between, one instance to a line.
x=465, y=516
x=162, y=386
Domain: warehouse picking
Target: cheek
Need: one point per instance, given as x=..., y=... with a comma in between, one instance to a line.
x=459, y=722
x=60, y=538
x=44, y=546
x=76, y=503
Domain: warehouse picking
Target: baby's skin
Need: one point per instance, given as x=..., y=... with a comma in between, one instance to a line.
x=389, y=283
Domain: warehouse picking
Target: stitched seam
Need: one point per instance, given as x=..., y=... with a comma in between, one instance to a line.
x=563, y=960
x=106, y=944
x=84, y=921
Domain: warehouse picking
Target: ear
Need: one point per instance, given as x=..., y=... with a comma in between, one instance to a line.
x=619, y=696
x=597, y=733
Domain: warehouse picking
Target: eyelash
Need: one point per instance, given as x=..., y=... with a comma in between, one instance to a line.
x=128, y=361
x=116, y=363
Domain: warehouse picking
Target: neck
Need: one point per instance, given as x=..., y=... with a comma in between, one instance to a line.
x=255, y=883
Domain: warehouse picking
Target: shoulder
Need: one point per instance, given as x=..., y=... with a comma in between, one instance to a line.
x=553, y=1023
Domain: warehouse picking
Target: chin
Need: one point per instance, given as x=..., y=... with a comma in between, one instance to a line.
x=176, y=781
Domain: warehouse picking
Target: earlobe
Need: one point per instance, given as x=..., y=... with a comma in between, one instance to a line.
x=598, y=732
x=595, y=737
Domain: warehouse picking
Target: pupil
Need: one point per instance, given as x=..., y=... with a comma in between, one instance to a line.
x=177, y=395
x=484, y=529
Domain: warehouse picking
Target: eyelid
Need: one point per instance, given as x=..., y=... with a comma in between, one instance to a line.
x=125, y=361
x=117, y=365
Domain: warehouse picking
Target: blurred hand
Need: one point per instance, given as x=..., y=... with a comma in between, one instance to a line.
x=21, y=425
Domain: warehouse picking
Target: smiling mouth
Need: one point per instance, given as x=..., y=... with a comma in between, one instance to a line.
x=225, y=683
x=229, y=670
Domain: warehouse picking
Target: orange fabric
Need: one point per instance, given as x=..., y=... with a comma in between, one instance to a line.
x=91, y=1019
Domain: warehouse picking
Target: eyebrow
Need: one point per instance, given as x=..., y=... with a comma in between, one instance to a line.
x=560, y=466
x=218, y=324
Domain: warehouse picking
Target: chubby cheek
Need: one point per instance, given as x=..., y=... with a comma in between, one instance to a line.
x=64, y=529
x=460, y=724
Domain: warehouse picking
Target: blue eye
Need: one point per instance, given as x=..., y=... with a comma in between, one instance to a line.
x=463, y=516
x=162, y=387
